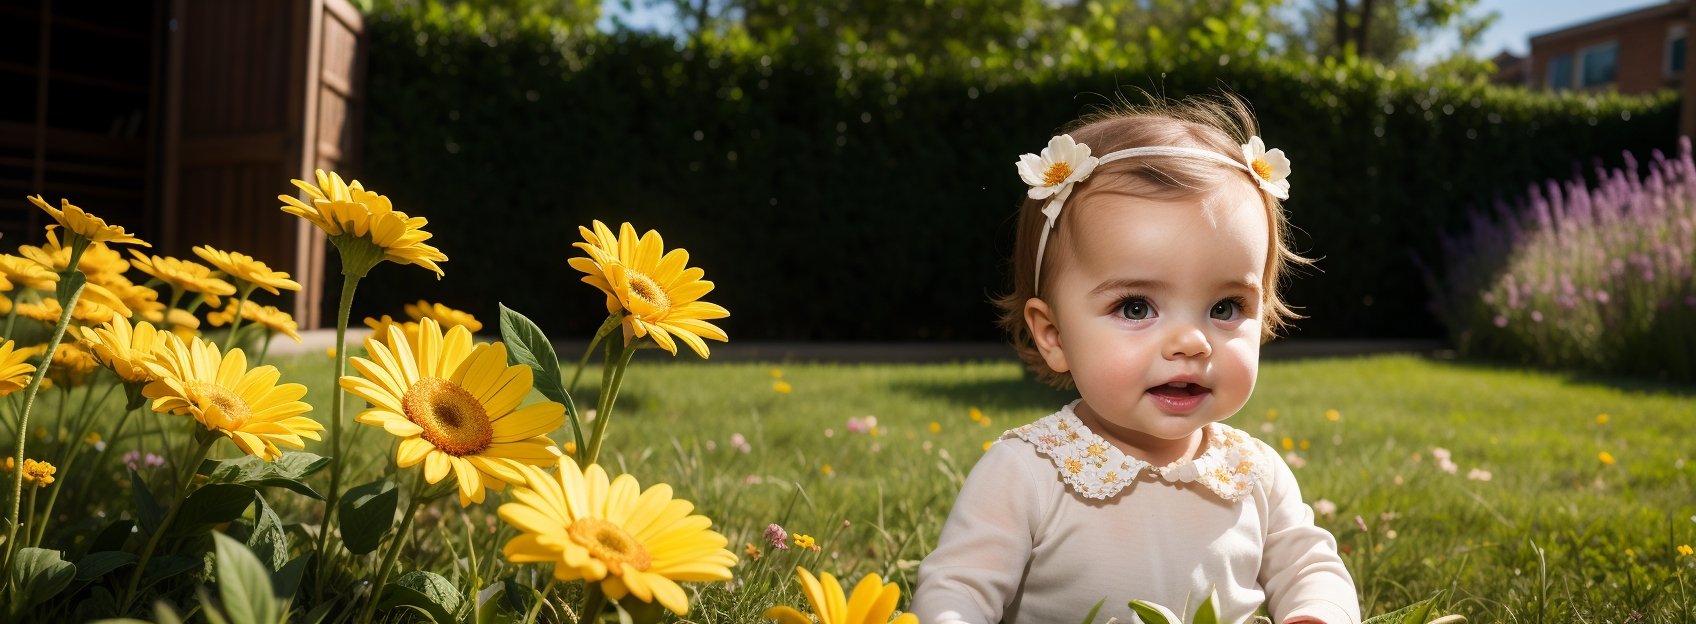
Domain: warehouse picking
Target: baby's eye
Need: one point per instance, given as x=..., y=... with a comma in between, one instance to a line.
x=1225, y=309
x=1136, y=309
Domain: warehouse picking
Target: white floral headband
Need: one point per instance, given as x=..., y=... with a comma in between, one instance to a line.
x=1065, y=163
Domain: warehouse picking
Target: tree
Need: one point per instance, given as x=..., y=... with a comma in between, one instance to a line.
x=1385, y=30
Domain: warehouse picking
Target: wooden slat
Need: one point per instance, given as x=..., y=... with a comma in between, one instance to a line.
x=251, y=147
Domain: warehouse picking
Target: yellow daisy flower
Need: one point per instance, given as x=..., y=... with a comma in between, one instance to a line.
x=445, y=316
x=657, y=293
x=26, y=273
x=142, y=301
x=124, y=348
x=185, y=275
x=15, y=369
x=223, y=395
x=347, y=209
x=90, y=310
x=97, y=260
x=89, y=226
x=871, y=603
x=72, y=364
x=632, y=541
x=244, y=268
x=455, y=408
x=266, y=316
x=380, y=328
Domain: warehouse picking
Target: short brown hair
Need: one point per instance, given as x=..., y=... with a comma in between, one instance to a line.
x=1220, y=124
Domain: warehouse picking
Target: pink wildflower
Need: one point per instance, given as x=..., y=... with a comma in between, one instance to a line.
x=777, y=537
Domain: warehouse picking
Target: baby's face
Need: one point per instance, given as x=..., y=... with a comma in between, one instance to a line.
x=1158, y=308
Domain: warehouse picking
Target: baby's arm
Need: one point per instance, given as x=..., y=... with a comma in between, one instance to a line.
x=980, y=558
x=1303, y=576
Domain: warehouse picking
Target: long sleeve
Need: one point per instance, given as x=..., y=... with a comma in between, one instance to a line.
x=981, y=555
x=1300, y=570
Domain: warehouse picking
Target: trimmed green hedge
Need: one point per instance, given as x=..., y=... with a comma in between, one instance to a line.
x=876, y=203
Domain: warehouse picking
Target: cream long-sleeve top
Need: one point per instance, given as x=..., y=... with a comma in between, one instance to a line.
x=1054, y=518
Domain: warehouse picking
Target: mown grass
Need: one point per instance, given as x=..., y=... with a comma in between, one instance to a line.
x=1555, y=534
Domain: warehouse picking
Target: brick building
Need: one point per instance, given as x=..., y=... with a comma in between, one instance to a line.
x=1636, y=51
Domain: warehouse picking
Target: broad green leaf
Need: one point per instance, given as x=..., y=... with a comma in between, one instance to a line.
x=1153, y=614
x=1090, y=619
x=287, y=579
x=1208, y=612
x=161, y=568
x=632, y=610
x=148, y=511
x=208, y=610
x=96, y=565
x=39, y=574
x=244, y=584
x=527, y=345
x=321, y=613
x=287, y=471
x=426, y=591
x=367, y=514
x=211, y=506
x=489, y=602
x=268, y=539
x=113, y=537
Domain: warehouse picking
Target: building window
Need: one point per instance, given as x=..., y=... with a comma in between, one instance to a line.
x=1597, y=64
x=1674, y=66
x=1560, y=72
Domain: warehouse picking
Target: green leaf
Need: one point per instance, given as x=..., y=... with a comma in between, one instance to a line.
x=98, y=564
x=527, y=345
x=211, y=506
x=367, y=514
x=148, y=511
x=268, y=539
x=1153, y=614
x=1416, y=613
x=287, y=471
x=39, y=574
x=425, y=591
x=287, y=580
x=489, y=602
x=321, y=613
x=1090, y=619
x=1208, y=612
x=244, y=584
x=113, y=537
x=161, y=568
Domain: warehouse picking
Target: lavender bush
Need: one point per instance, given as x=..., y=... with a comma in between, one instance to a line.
x=1588, y=278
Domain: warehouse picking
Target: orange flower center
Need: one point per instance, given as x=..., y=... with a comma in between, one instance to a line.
x=1057, y=173
x=609, y=543
x=648, y=290
x=1262, y=169
x=453, y=420
x=220, y=408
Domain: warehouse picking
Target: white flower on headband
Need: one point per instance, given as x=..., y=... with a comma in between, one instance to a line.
x=1270, y=168
x=1063, y=163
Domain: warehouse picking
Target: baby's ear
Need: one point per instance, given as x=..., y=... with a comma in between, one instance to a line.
x=1039, y=319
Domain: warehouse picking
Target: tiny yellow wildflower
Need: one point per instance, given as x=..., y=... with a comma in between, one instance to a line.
x=1306, y=445
x=1684, y=550
x=38, y=472
x=330, y=351
x=781, y=387
x=776, y=373
x=1606, y=458
x=806, y=541
x=984, y=422
x=935, y=427
x=753, y=553
x=92, y=438
x=986, y=445
x=1287, y=443
x=1272, y=414
x=570, y=447
x=826, y=469
x=1333, y=415
x=1602, y=419
x=976, y=414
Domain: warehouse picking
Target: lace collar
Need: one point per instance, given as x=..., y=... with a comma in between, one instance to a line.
x=1230, y=466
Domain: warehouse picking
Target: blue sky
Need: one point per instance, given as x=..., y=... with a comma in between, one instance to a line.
x=1520, y=20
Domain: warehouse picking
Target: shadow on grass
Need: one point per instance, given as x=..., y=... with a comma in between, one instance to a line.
x=989, y=394
x=1621, y=383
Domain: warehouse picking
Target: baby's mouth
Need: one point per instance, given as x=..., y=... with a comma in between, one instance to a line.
x=1179, y=389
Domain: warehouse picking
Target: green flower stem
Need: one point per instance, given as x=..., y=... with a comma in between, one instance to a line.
x=185, y=477
x=12, y=316
x=176, y=298
x=78, y=244
x=613, y=321
x=594, y=600
x=235, y=323
x=609, y=395
x=417, y=500
x=530, y=618
x=350, y=283
x=265, y=348
x=68, y=459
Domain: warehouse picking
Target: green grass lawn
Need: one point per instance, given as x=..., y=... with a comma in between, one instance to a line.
x=1556, y=534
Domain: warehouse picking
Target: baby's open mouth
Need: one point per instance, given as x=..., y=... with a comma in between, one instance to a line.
x=1179, y=389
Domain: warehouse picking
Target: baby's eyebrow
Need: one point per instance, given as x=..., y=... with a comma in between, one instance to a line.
x=1129, y=284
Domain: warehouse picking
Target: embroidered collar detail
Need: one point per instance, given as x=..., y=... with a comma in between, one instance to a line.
x=1230, y=466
